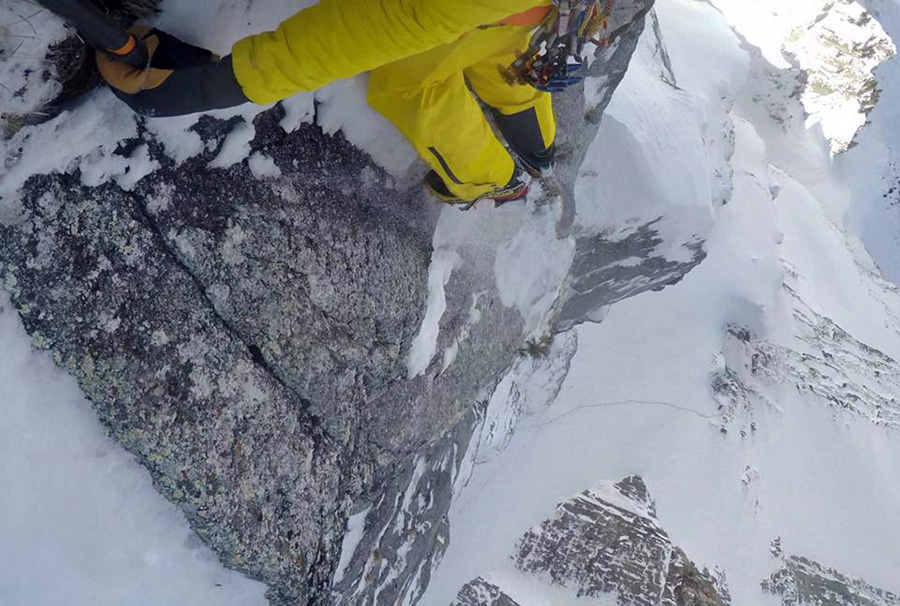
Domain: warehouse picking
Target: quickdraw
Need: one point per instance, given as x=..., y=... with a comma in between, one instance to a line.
x=555, y=58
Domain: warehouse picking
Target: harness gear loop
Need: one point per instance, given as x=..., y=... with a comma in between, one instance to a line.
x=555, y=57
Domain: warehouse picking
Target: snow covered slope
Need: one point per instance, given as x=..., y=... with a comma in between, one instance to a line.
x=757, y=398
x=80, y=519
x=730, y=439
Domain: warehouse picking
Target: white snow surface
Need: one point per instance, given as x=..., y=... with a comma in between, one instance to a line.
x=424, y=346
x=356, y=526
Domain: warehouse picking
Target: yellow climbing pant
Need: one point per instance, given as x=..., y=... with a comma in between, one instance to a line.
x=426, y=96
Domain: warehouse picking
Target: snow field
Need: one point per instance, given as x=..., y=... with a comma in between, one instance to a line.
x=637, y=399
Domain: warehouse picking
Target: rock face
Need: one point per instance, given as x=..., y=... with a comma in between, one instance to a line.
x=180, y=383
x=608, y=541
x=481, y=593
x=605, y=542
x=801, y=582
x=828, y=364
x=839, y=53
x=601, y=271
x=406, y=529
x=245, y=339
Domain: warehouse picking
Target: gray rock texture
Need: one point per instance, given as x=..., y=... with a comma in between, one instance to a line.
x=481, y=593
x=407, y=530
x=802, y=582
x=599, y=274
x=609, y=541
x=245, y=340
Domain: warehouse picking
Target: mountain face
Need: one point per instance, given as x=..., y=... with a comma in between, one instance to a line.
x=325, y=373
x=609, y=541
x=605, y=541
x=245, y=338
x=801, y=581
x=838, y=53
x=755, y=396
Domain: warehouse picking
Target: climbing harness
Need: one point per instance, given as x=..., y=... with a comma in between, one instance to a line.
x=555, y=58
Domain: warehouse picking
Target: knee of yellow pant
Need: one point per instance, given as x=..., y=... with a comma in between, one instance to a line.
x=376, y=95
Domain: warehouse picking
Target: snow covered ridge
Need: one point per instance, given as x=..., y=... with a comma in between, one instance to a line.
x=802, y=581
x=602, y=542
x=757, y=397
x=831, y=366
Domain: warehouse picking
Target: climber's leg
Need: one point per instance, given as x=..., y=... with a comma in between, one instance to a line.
x=447, y=127
x=427, y=98
x=523, y=114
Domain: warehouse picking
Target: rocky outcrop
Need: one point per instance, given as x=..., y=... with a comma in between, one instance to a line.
x=406, y=529
x=827, y=363
x=609, y=541
x=246, y=340
x=605, y=542
x=481, y=593
x=604, y=271
x=801, y=582
x=838, y=53
x=238, y=447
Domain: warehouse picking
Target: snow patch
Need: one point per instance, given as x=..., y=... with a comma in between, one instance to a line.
x=298, y=110
x=263, y=166
x=343, y=108
x=236, y=146
x=356, y=526
x=531, y=267
x=424, y=346
x=139, y=165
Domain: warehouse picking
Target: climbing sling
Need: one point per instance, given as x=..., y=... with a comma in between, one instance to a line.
x=555, y=58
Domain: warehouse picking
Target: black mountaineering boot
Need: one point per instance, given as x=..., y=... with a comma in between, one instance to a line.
x=522, y=132
x=537, y=164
